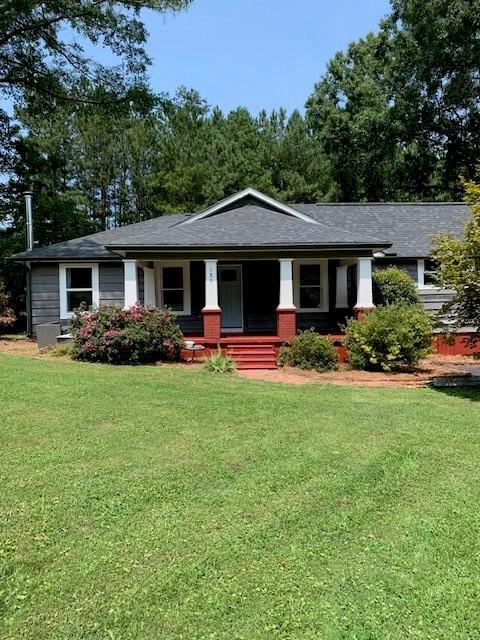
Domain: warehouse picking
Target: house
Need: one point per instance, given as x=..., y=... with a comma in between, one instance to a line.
x=248, y=267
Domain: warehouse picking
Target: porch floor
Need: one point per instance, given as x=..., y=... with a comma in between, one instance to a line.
x=241, y=338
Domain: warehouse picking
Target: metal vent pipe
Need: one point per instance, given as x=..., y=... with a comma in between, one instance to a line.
x=28, y=219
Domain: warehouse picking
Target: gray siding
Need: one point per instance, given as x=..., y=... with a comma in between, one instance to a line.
x=434, y=299
x=45, y=294
x=46, y=290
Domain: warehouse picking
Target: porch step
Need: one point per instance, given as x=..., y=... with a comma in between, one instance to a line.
x=256, y=365
x=252, y=355
x=262, y=351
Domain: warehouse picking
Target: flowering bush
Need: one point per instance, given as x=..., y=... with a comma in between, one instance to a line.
x=7, y=316
x=125, y=336
x=389, y=337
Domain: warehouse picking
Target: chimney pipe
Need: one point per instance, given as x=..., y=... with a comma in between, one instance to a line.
x=28, y=217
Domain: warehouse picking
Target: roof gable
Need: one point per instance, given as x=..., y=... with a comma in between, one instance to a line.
x=249, y=195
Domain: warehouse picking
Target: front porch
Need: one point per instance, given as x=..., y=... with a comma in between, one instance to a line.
x=222, y=302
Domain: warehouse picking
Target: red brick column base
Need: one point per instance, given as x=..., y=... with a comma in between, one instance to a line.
x=212, y=323
x=359, y=312
x=286, y=323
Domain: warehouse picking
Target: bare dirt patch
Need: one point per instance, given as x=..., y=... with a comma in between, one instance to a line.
x=19, y=345
x=434, y=366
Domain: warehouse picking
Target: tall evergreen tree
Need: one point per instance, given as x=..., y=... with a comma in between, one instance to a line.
x=397, y=115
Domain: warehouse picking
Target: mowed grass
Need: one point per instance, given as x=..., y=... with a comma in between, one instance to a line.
x=167, y=503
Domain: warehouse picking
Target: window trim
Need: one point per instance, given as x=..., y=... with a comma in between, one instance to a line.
x=95, y=288
x=323, y=265
x=421, y=277
x=185, y=265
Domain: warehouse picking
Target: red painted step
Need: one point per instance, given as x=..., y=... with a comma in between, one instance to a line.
x=252, y=355
x=255, y=365
x=251, y=352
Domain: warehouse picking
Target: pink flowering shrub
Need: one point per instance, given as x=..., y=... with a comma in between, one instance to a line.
x=7, y=316
x=126, y=336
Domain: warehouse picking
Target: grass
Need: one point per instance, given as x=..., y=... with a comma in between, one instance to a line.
x=165, y=503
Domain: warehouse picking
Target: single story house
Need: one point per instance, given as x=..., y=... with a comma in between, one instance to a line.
x=248, y=266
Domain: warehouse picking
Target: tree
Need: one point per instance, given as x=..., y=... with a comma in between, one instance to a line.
x=459, y=262
x=349, y=113
x=434, y=73
x=40, y=48
x=398, y=114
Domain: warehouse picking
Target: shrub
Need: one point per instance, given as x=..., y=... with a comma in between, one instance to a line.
x=218, y=363
x=393, y=286
x=62, y=350
x=7, y=316
x=389, y=337
x=126, y=336
x=309, y=350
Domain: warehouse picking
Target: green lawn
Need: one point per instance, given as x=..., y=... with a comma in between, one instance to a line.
x=167, y=503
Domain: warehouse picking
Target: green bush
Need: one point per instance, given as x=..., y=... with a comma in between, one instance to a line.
x=389, y=337
x=126, y=336
x=309, y=350
x=62, y=350
x=393, y=286
x=218, y=363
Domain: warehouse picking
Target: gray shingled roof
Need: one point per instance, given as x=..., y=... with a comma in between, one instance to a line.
x=250, y=225
x=410, y=227
x=407, y=227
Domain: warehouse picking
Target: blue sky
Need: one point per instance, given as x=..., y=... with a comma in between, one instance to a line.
x=254, y=53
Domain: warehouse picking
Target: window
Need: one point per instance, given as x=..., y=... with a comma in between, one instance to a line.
x=427, y=270
x=430, y=275
x=175, y=286
x=78, y=284
x=311, y=285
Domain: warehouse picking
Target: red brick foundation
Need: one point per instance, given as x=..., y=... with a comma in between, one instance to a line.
x=457, y=344
x=286, y=323
x=359, y=312
x=212, y=324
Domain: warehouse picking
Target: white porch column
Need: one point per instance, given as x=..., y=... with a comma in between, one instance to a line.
x=211, y=285
x=286, y=284
x=341, y=292
x=130, y=282
x=149, y=299
x=364, y=284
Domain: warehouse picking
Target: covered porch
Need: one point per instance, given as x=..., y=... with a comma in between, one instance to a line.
x=240, y=300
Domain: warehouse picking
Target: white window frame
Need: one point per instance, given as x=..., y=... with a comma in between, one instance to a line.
x=187, y=302
x=421, y=276
x=95, y=288
x=323, y=265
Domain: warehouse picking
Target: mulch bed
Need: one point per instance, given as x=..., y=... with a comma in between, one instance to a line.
x=435, y=366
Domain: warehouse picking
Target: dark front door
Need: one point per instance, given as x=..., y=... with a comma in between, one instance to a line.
x=230, y=297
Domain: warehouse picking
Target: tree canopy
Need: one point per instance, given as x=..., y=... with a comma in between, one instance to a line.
x=398, y=114
x=38, y=51
x=460, y=264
